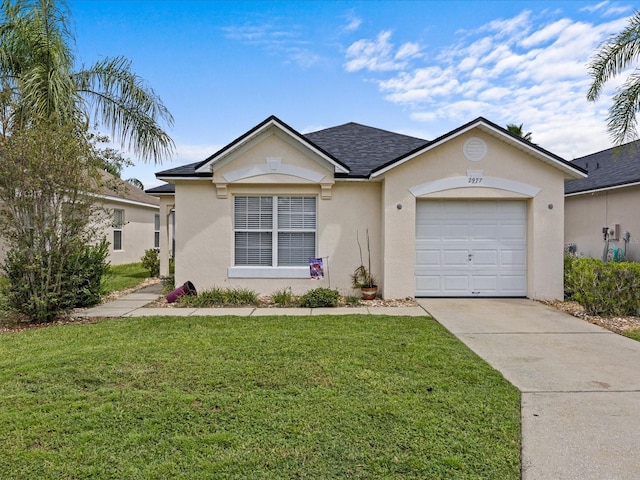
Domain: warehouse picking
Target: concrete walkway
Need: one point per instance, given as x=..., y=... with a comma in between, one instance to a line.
x=580, y=384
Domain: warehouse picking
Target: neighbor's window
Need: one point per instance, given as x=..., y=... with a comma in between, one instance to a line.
x=118, y=222
x=274, y=231
x=156, y=231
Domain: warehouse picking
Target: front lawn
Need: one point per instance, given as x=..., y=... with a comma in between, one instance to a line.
x=120, y=277
x=268, y=398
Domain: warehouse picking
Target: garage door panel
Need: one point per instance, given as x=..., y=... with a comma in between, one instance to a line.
x=485, y=257
x=513, y=283
x=455, y=258
x=455, y=284
x=513, y=258
x=455, y=232
x=429, y=258
x=485, y=283
x=471, y=248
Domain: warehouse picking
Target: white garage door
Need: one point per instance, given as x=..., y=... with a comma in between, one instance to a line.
x=469, y=248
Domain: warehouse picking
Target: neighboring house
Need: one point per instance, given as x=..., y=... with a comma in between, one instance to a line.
x=477, y=212
x=607, y=198
x=130, y=219
x=134, y=220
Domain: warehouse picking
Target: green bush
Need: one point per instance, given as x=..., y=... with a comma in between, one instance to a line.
x=320, y=297
x=32, y=290
x=284, y=298
x=220, y=297
x=85, y=273
x=151, y=261
x=611, y=288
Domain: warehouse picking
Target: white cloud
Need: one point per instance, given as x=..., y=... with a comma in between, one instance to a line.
x=408, y=50
x=377, y=55
x=529, y=69
x=354, y=23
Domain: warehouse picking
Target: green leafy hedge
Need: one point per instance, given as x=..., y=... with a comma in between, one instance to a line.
x=611, y=288
x=320, y=297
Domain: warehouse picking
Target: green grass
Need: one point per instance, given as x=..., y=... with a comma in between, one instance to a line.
x=355, y=396
x=120, y=277
x=635, y=334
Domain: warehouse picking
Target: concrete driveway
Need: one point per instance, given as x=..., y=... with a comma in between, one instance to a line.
x=580, y=384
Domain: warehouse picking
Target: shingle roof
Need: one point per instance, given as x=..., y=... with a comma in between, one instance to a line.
x=165, y=188
x=361, y=149
x=115, y=187
x=613, y=167
x=364, y=148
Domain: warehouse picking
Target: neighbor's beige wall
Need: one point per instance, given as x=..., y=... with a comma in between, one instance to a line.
x=586, y=214
x=544, y=225
x=137, y=233
x=204, y=234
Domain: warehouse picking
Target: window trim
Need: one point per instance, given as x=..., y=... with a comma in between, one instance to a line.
x=117, y=228
x=273, y=270
x=156, y=231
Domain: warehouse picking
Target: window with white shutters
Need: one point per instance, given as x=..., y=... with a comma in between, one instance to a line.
x=274, y=231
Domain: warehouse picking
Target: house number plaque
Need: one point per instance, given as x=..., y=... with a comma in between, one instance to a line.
x=475, y=177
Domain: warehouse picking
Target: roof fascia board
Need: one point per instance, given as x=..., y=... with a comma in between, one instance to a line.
x=489, y=128
x=260, y=129
x=603, y=189
x=109, y=198
x=171, y=179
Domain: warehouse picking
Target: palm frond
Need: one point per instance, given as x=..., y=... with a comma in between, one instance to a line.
x=126, y=105
x=622, y=122
x=614, y=56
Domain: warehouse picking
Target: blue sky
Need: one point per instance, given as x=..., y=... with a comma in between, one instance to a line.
x=421, y=68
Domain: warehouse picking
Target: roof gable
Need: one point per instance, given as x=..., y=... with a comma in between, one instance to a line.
x=570, y=171
x=270, y=123
x=614, y=167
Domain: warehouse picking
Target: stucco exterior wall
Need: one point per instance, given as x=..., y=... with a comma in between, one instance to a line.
x=204, y=234
x=586, y=215
x=544, y=224
x=137, y=233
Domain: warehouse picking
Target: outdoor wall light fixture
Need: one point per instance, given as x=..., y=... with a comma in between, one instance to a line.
x=399, y=206
x=550, y=206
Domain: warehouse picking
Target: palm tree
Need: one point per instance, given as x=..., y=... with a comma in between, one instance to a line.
x=517, y=130
x=38, y=81
x=613, y=57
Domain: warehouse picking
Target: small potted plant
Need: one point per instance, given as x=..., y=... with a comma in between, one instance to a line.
x=362, y=278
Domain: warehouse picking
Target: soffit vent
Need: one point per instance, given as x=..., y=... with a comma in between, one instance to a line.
x=474, y=149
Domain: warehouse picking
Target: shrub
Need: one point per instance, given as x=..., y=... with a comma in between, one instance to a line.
x=284, y=298
x=220, y=297
x=151, y=261
x=33, y=291
x=611, y=288
x=85, y=273
x=320, y=297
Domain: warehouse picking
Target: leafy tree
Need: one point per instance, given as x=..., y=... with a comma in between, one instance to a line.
x=518, y=130
x=49, y=172
x=49, y=220
x=619, y=53
x=39, y=81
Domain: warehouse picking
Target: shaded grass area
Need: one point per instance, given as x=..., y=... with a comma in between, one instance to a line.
x=267, y=398
x=120, y=277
